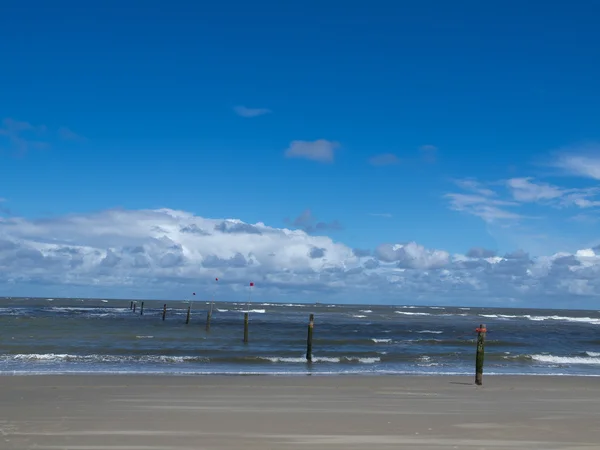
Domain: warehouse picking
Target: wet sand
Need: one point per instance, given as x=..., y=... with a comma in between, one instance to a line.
x=125, y=412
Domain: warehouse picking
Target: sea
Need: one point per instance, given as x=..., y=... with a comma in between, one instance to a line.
x=100, y=336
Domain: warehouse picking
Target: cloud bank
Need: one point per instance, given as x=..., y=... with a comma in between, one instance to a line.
x=167, y=253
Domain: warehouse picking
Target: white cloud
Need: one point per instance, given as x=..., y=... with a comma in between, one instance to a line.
x=524, y=190
x=475, y=186
x=527, y=191
x=167, y=253
x=243, y=111
x=320, y=150
x=488, y=209
x=481, y=201
x=583, y=162
x=385, y=159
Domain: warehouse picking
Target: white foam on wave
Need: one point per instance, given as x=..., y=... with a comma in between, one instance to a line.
x=367, y=311
x=11, y=312
x=589, y=320
x=593, y=354
x=65, y=357
x=83, y=309
x=104, y=301
x=258, y=311
x=144, y=337
x=358, y=316
x=222, y=310
x=430, y=331
x=321, y=359
x=381, y=341
x=425, y=361
x=366, y=360
x=436, y=307
x=406, y=313
x=499, y=316
x=281, y=305
x=551, y=359
x=465, y=309
x=281, y=359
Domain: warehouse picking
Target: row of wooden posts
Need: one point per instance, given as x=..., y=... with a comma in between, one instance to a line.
x=479, y=356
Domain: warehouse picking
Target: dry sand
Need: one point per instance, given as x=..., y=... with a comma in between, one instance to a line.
x=344, y=412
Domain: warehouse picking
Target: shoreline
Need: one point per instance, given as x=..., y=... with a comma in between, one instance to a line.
x=121, y=412
x=291, y=374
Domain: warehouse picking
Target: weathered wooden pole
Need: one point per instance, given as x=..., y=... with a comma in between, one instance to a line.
x=210, y=310
x=134, y=305
x=142, y=309
x=309, y=339
x=481, y=331
x=187, y=319
x=164, y=311
x=131, y=305
x=208, y=317
x=245, y=328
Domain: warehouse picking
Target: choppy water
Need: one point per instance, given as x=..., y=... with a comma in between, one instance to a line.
x=101, y=336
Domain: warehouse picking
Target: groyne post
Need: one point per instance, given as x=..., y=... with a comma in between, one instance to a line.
x=187, y=319
x=164, y=311
x=134, y=306
x=142, y=309
x=481, y=331
x=309, y=339
x=131, y=305
x=208, y=317
x=245, y=328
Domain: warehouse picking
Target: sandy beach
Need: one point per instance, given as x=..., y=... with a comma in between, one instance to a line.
x=120, y=412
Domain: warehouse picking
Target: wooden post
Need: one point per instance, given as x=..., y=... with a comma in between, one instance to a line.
x=142, y=309
x=134, y=305
x=164, y=311
x=208, y=317
x=131, y=305
x=309, y=339
x=245, y=328
x=187, y=319
x=481, y=331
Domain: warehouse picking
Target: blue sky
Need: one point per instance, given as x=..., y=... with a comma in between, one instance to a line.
x=451, y=125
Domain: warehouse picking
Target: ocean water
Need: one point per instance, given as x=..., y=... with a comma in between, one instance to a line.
x=105, y=336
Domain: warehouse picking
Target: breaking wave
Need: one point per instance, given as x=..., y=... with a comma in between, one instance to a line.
x=321, y=359
x=407, y=313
